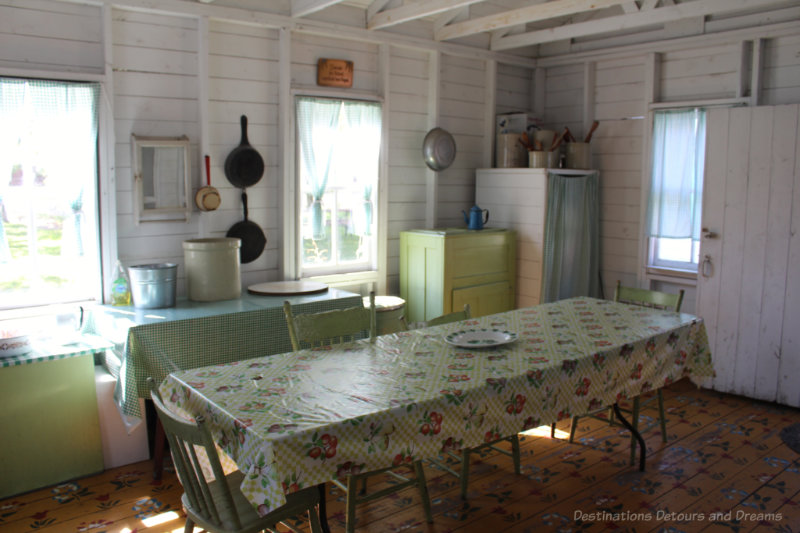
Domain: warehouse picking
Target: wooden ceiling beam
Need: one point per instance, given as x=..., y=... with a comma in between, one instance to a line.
x=301, y=8
x=659, y=15
x=523, y=15
x=412, y=11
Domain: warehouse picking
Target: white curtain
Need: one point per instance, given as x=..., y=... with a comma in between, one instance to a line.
x=677, y=174
x=48, y=171
x=317, y=127
x=359, y=148
x=338, y=139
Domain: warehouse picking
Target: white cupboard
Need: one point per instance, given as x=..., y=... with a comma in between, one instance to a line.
x=516, y=199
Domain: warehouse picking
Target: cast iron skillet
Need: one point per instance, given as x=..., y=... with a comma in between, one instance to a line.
x=244, y=166
x=253, y=239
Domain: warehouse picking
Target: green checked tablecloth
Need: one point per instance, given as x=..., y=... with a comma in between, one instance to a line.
x=294, y=420
x=155, y=342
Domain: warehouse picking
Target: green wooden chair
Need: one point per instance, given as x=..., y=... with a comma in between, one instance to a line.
x=309, y=330
x=644, y=298
x=219, y=506
x=334, y=327
x=463, y=473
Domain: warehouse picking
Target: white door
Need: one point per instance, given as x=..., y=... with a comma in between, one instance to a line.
x=749, y=279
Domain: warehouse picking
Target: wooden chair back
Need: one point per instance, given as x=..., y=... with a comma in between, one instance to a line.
x=648, y=298
x=455, y=316
x=331, y=327
x=183, y=436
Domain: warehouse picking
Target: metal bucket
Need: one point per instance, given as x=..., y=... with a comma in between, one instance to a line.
x=153, y=286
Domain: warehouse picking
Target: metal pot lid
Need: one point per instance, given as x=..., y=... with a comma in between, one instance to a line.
x=438, y=149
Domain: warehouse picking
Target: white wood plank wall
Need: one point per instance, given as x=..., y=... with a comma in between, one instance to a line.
x=514, y=89
x=703, y=72
x=156, y=92
x=462, y=100
x=43, y=35
x=408, y=119
x=243, y=80
x=781, y=76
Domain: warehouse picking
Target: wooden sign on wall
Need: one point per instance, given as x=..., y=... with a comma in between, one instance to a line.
x=334, y=73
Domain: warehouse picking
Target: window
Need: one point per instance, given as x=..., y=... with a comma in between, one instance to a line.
x=338, y=163
x=676, y=189
x=49, y=238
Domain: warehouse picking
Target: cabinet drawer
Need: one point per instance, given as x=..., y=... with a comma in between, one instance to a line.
x=485, y=258
x=485, y=299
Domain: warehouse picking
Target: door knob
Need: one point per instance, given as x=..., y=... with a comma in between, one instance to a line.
x=709, y=234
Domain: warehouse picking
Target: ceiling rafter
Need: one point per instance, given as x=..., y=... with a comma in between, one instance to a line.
x=513, y=17
x=301, y=8
x=658, y=15
x=413, y=11
x=454, y=15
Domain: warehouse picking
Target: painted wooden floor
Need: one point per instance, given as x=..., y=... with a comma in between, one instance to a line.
x=723, y=469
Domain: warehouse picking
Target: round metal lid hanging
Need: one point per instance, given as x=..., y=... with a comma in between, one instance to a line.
x=438, y=149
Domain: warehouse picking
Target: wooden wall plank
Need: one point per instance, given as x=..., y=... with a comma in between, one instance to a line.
x=776, y=268
x=755, y=236
x=788, y=391
x=730, y=265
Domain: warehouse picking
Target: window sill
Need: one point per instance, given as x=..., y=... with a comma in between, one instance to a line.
x=685, y=277
x=347, y=279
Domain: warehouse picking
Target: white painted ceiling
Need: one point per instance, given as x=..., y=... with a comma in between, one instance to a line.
x=535, y=28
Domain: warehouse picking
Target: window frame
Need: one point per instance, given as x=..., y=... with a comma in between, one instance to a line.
x=105, y=196
x=664, y=271
x=292, y=238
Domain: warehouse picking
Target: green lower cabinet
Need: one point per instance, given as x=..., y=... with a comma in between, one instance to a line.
x=441, y=270
x=50, y=426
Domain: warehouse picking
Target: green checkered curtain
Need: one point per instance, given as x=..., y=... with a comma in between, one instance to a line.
x=571, y=255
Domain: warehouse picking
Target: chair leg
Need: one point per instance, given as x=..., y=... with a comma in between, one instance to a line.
x=314, y=522
x=189, y=527
x=515, y=453
x=159, y=440
x=661, y=416
x=422, y=485
x=350, y=515
x=323, y=509
x=553, y=430
x=635, y=425
x=464, y=477
x=573, y=426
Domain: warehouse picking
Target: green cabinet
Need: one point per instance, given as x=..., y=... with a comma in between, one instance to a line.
x=51, y=430
x=441, y=270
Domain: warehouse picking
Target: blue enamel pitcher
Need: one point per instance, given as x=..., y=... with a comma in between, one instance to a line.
x=475, y=219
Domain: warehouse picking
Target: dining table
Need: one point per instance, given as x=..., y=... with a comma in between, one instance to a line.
x=302, y=418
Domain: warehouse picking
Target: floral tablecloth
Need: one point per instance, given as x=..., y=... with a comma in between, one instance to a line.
x=294, y=420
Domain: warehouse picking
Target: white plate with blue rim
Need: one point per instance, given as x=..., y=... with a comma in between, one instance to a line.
x=480, y=337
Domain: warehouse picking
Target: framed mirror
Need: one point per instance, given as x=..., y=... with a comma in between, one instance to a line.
x=161, y=173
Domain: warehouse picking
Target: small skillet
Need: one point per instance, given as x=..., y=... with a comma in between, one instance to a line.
x=253, y=239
